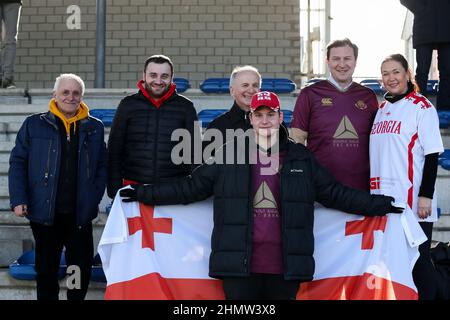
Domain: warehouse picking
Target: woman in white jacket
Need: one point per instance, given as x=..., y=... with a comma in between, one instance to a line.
x=405, y=143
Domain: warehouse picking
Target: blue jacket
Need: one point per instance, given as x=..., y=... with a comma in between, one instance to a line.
x=34, y=168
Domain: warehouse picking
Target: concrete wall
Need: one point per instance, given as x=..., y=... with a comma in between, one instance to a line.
x=205, y=38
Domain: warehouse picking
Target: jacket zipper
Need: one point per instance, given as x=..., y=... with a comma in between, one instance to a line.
x=154, y=143
x=87, y=160
x=81, y=142
x=250, y=208
x=47, y=169
x=51, y=218
x=283, y=234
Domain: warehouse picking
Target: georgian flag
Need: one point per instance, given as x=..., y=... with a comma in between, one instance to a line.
x=162, y=252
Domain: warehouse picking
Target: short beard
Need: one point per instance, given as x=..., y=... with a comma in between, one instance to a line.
x=149, y=90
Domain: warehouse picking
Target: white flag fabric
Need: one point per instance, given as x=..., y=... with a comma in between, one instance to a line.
x=163, y=253
x=158, y=253
x=362, y=258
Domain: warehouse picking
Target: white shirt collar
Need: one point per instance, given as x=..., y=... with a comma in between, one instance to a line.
x=334, y=82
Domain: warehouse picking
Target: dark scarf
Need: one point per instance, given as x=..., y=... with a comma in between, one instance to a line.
x=393, y=99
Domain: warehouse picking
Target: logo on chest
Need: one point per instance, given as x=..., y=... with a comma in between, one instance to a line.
x=345, y=135
x=361, y=105
x=327, y=102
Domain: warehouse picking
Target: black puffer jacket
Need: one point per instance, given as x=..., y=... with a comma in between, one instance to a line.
x=431, y=21
x=303, y=181
x=140, y=146
x=235, y=119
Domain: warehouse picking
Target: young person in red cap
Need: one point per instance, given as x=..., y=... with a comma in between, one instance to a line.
x=262, y=244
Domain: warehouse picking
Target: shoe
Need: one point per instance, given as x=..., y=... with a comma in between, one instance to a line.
x=8, y=83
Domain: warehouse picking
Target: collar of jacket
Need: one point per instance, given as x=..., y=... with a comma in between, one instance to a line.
x=82, y=113
x=393, y=99
x=85, y=124
x=237, y=114
x=283, y=141
x=165, y=97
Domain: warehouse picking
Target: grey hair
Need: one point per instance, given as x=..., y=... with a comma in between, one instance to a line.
x=69, y=76
x=247, y=68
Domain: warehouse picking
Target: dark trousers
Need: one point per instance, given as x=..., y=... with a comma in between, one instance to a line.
x=423, y=58
x=424, y=273
x=260, y=287
x=50, y=241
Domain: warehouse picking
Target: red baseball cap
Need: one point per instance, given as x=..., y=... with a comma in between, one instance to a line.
x=265, y=99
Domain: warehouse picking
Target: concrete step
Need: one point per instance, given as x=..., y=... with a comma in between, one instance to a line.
x=8, y=218
x=443, y=190
x=4, y=191
x=13, y=97
x=4, y=204
x=441, y=228
x=4, y=167
x=8, y=137
x=21, y=109
x=13, y=289
x=16, y=236
x=12, y=126
x=4, y=157
x=4, y=197
x=443, y=222
x=441, y=235
x=6, y=146
x=446, y=140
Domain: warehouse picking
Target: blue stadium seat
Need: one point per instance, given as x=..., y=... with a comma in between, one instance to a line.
x=312, y=81
x=108, y=207
x=280, y=85
x=366, y=81
x=432, y=86
x=105, y=115
x=444, y=159
x=444, y=119
x=445, y=164
x=182, y=84
x=375, y=86
x=207, y=115
x=287, y=117
x=444, y=155
x=23, y=267
x=97, y=273
x=216, y=85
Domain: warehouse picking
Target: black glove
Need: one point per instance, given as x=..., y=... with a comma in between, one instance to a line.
x=395, y=208
x=129, y=194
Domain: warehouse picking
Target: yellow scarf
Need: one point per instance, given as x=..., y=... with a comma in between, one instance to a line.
x=83, y=112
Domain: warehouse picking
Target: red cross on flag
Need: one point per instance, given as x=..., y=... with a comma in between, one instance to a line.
x=163, y=253
x=363, y=258
x=158, y=252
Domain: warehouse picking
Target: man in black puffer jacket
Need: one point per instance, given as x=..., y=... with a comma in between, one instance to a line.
x=262, y=242
x=139, y=145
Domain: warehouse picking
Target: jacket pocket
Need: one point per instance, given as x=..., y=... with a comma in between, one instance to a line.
x=40, y=162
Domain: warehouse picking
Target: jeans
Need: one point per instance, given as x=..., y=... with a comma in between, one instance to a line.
x=9, y=15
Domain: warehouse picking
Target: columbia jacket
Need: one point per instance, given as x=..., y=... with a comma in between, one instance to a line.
x=34, y=168
x=303, y=181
